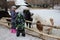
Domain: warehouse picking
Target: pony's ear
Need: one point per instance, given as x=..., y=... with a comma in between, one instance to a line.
x=52, y=21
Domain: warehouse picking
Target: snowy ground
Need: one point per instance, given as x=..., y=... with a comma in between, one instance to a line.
x=46, y=14
x=6, y=35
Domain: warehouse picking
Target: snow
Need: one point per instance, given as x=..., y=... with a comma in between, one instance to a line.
x=21, y=8
x=5, y=34
x=46, y=14
x=57, y=7
x=20, y=2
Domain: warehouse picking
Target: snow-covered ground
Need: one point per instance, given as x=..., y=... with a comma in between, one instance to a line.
x=57, y=7
x=5, y=34
x=46, y=14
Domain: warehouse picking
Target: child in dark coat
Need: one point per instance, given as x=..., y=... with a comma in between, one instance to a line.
x=27, y=15
x=20, y=23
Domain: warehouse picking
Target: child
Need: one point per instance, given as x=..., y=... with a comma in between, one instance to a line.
x=28, y=15
x=13, y=17
x=20, y=21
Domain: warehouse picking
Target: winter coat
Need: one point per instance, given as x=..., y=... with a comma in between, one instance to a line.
x=27, y=15
x=20, y=20
x=13, y=16
x=13, y=19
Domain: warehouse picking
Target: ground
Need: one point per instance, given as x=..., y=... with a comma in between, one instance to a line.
x=6, y=35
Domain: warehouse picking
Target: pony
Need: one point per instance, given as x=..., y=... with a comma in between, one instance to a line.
x=39, y=21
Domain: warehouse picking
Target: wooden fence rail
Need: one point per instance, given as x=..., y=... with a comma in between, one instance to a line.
x=57, y=27
x=41, y=33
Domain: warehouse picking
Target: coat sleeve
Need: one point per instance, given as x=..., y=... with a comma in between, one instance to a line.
x=13, y=14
